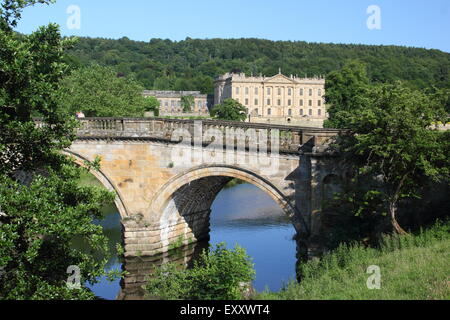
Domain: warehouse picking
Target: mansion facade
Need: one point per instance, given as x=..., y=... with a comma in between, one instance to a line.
x=278, y=99
x=170, y=102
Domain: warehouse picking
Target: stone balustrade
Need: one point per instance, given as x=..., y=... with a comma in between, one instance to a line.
x=289, y=138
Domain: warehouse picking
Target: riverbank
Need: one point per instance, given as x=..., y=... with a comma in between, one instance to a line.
x=413, y=267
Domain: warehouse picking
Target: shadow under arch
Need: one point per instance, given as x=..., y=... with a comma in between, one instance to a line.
x=104, y=180
x=192, y=193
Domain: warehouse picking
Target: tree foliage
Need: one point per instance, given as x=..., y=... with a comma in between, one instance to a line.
x=192, y=64
x=346, y=91
x=219, y=274
x=152, y=104
x=42, y=207
x=187, y=102
x=229, y=110
x=99, y=92
x=392, y=146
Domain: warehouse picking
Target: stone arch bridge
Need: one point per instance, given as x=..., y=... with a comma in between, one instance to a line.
x=167, y=173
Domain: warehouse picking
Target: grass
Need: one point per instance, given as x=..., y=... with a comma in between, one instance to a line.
x=414, y=267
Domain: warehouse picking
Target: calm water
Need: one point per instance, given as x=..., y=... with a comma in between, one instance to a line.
x=242, y=215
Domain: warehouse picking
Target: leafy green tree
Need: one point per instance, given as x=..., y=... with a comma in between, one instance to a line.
x=160, y=63
x=230, y=110
x=42, y=207
x=152, y=104
x=219, y=274
x=99, y=92
x=187, y=102
x=345, y=93
x=164, y=83
x=392, y=147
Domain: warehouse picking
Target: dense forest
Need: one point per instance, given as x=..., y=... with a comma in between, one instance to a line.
x=192, y=64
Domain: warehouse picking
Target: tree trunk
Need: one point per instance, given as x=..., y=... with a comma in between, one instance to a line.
x=393, y=211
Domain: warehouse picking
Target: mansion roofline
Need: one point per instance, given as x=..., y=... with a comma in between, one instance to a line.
x=163, y=93
x=238, y=77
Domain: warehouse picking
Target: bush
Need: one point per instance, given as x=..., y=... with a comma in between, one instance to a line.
x=219, y=274
x=412, y=267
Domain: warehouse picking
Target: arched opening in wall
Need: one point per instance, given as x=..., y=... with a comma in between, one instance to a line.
x=245, y=215
x=235, y=207
x=113, y=213
x=112, y=230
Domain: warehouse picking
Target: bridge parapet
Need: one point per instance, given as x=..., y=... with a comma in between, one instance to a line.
x=286, y=138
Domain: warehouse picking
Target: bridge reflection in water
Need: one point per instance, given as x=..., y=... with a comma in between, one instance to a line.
x=139, y=269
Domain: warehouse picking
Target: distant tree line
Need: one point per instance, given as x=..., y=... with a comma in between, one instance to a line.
x=192, y=64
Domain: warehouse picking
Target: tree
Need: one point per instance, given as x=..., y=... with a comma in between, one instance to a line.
x=345, y=93
x=219, y=274
x=187, y=102
x=152, y=104
x=391, y=143
x=230, y=110
x=98, y=92
x=42, y=206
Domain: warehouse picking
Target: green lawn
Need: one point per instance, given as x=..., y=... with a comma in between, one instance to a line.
x=412, y=268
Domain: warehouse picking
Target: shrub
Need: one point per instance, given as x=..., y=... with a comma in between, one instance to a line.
x=219, y=274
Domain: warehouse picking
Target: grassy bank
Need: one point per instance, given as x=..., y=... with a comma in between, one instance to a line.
x=412, y=267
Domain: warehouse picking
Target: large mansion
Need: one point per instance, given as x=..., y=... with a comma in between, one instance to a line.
x=278, y=99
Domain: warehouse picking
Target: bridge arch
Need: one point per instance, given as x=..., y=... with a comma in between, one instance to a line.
x=189, y=195
x=104, y=180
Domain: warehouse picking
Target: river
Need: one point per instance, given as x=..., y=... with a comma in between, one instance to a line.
x=242, y=215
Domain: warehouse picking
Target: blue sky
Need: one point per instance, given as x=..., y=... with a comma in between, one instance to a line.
x=417, y=23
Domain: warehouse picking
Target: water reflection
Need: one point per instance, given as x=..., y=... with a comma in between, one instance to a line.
x=242, y=215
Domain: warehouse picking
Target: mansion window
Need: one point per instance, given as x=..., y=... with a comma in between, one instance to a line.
x=246, y=102
x=166, y=104
x=237, y=90
x=256, y=112
x=269, y=111
x=289, y=92
x=268, y=91
x=289, y=102
x=310, y=92
x=290, y=112
x=310, y=103
x=301, y=112
x=319, y=112
x=279, y=102
x=268, y=102
x=256, y=90
x=319, y=93
x=319, y=103
x=279, y=91
x=301, y=103
x=246, y=90
x=256, y=102
x=310, y=112
x=301, y=92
